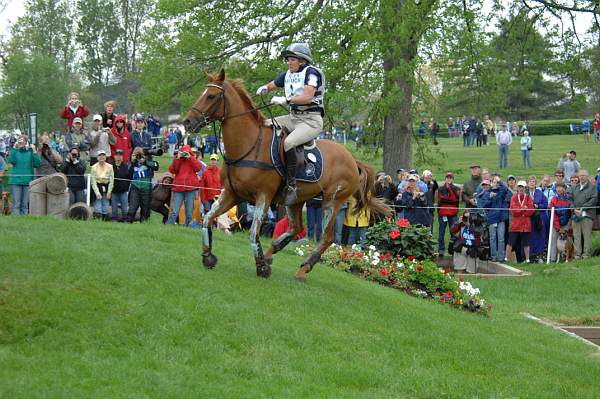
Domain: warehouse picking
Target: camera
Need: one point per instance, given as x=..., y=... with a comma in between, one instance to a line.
x=138, y=156
x=153, y=152
x=185, y=154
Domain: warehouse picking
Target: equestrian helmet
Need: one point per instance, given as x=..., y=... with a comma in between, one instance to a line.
x=298, y=50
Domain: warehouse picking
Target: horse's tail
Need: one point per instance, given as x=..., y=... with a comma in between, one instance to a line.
x=365, y=195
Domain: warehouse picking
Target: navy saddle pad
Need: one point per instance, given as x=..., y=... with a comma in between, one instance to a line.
x=313, y=162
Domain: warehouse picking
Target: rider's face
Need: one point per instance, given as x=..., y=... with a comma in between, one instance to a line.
x=293, y=63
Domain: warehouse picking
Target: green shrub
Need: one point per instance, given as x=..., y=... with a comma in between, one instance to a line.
x=400, y=238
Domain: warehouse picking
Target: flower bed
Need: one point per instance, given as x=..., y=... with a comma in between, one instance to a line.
x=421, y=278
x=400, y=238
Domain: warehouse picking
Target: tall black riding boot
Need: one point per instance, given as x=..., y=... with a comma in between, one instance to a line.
x=291, y=163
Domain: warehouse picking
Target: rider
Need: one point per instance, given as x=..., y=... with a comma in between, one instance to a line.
x=304, y=86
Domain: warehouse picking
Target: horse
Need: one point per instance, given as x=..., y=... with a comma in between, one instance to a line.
x=248, y=174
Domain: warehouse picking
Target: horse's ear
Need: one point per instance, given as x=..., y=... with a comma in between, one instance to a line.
x=221, y=77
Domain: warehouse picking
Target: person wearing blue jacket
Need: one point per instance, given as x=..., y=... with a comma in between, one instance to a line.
x=496, y=204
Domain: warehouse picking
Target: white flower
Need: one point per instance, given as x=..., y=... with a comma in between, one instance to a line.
x=372, y=247
x=400, y=265
x=375, y=261
x=354, y=246
x=376, y=255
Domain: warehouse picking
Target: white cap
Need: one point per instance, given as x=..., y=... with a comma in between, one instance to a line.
x=97, y=117
x=427, y=172
x=522, y=183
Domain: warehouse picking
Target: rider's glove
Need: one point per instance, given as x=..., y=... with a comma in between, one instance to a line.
x=262, y=90
x=279, y=100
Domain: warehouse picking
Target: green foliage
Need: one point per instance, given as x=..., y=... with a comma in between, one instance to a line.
x=402, y=239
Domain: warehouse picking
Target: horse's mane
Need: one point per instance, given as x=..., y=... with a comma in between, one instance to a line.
x=238, y=85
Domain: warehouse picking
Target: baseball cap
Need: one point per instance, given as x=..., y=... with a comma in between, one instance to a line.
x=214, y=156
x=413, y=177
x=449, y=174
x=400, y=170
x=97, y=117
x=522, y=183
x=475, y=165
x=119, y=152
x=486, y=181
x=194, y=149
x=101, y=152
x=413, y=172
x=427, y=172
x=511, y=177
x=77, y=120
x=573, y=152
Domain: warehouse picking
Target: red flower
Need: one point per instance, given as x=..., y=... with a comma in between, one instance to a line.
x=394, y=234
x=462, y=280
x=402, y=223
x=411, y=258
x=419, y=268
x=449, y=294
x=436, y=294
x=489, y=306
x=384, y=271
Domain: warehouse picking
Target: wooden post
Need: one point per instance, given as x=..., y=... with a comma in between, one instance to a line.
x=56, y=183
x=80, y=211
x=37, y=197
x=57, y=204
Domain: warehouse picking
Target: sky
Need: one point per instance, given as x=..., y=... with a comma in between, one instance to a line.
x=13, y=10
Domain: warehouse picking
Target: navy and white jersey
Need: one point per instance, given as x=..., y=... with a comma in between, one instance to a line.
x=294, y=82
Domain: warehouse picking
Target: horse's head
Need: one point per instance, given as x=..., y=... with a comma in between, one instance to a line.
x=210, y=106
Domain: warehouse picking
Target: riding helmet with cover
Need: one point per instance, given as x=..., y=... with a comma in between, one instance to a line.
x=298, y=50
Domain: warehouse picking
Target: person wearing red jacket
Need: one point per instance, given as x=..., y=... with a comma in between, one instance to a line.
x=521, y=209
x=448, y=197
x=596, y=128
x=121, y=133
x=185, y=185
x=74, y=109
x=210, y=185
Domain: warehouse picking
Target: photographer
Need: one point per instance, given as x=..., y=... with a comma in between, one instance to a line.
x=50, y=159
x=414, y=203
x=74, y=109
x=101, y=139
x=76, y=137
x=74, y=169
x=142, y=172
x=465, y=244
x=24, y=158
x=185, y=185
x=385, y=188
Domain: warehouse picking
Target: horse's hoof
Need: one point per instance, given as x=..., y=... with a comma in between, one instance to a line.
x=209, y=261
x=263, y=271
x=268, y=261
x=300, y=279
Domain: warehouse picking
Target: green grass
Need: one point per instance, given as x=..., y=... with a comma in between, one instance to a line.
x=96, y=310
x=546, y=153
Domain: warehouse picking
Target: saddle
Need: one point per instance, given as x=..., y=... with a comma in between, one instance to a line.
x=310, y=158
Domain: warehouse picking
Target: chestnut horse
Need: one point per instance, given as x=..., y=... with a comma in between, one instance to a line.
x=249, y=175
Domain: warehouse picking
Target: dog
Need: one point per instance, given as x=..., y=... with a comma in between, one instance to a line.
x=564, y=246
x=161, y=197
x=6, y=203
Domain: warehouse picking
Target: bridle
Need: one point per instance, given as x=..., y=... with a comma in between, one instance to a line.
x=208, y=116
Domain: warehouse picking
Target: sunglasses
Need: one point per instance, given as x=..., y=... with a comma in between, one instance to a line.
x=74, y=154
x=559, y=175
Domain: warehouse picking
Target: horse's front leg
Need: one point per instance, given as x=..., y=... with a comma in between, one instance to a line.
x=225, y=201
x=261, y=209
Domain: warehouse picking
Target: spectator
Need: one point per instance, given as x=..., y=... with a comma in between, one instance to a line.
x=422, y=128
x=546, y=187
x=472, y=131
x=526, y=148
x=101, y=139
x=142, y=171
x=338, y=228
x=489, y=129
x=539, y=221
x=210, y=185
x=385, y=189
x=448, y=200
x=3, y=168
x=357, y=221
x=123, y=139
x=465, y=246
x=585, y=130
x=469, y=189
x=596, y=127
x=515, y=129
x=496, y=203
x=569, y=164
x=24, y=159
x=102, y=182
x=172, y=141
x=521, y=209
x=122, y=173
x=414, y=203
x=153, y=125
x=185, y=185
x=283, y=225
x=77, y=137
x=503, y=140
x=314, y=219
x=74, y=169
x=479, y=131
x=562, y=216
x=211, y=141
x=435, y=130
x=50, y=159
x=559, y=177
x=108, y=116
x=430, y=194
x=140, y=136
x=74, y=109
x=584, y=199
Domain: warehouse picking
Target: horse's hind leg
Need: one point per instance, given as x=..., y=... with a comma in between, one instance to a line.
x=262, y=207
x=294, y=214
x=225, y=201
x=330, y=210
